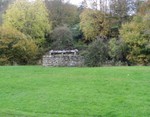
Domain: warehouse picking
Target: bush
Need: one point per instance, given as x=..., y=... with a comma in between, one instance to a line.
x=16, y=47
x=136, y=35
x=96, y=54
x=117, y=50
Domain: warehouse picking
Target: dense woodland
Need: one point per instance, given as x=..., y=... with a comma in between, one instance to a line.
x=106, y=32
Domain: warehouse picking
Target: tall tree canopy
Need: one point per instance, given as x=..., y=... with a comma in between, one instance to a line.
x=144, y=7
x=62, y=12
x=29, y=18
x=93, y=23
x=3, y=6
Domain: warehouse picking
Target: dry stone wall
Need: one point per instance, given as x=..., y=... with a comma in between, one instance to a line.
x=62, y=59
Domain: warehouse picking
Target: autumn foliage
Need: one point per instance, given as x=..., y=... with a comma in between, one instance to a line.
x=15, y=47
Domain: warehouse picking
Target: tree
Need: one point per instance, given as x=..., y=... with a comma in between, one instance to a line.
x=96, y=54
x=93, y=23
x=62, y=38
x=83, y=5
x=15, y=47
x=76, y=32
x=136, y=35
x=144, y=7
x=101, y=5
x=30, y=18
x=122, y=9
x=3, y=6
x=62, y=13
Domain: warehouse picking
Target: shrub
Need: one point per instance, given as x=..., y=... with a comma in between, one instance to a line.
x=96, y=54
x=117, y=50
x=136, y=35
x=15, y=47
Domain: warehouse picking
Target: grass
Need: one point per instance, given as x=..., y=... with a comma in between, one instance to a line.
x=36, y=91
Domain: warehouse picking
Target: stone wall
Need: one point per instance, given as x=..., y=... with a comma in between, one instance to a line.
x=62, y=60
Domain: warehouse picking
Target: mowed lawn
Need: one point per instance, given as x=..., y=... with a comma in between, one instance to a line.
x=36, y=91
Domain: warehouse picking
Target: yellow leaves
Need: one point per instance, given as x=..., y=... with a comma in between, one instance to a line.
x=134, y=35
x=139, y=59
x=27, y=46
x=16, y=46
x=29, y=18
x=93, y=23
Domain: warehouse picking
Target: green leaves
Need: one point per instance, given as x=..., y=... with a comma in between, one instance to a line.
x=97, y=53
x=134, y=34
x=117, y=50
x=62, y=38
x=29, y=18
x=62, y=13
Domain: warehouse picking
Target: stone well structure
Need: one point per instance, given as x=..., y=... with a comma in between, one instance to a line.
x=62, y=58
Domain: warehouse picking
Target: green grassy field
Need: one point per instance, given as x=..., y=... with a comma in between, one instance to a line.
x=36, y=91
